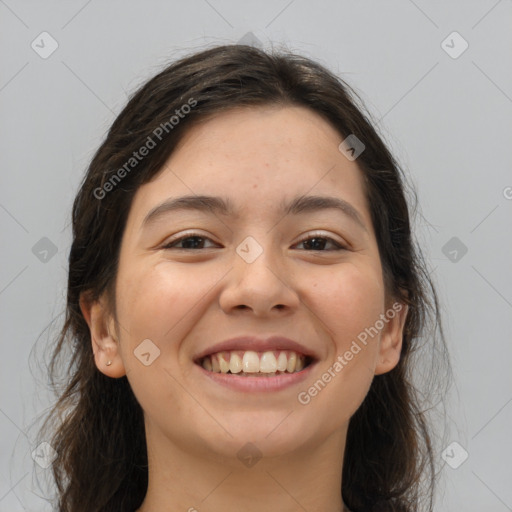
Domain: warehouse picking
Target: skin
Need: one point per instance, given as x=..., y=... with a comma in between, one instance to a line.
x=185, y=301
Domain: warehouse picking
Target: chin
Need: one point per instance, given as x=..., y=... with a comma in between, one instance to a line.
x=267, y=434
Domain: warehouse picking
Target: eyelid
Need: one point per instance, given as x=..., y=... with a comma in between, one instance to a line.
x=186, y=234
x=341, y=245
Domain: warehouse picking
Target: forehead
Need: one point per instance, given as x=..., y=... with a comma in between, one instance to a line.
x=274, y=133
x=258, y=157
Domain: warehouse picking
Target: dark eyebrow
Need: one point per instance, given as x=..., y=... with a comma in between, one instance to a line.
x=218, y=205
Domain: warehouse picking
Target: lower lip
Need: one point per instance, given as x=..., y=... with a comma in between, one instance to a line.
x=258, y=384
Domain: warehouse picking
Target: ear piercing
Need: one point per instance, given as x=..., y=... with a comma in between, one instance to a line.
x=108, y=363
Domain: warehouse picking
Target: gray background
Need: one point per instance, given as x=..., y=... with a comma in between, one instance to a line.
x=448, y=120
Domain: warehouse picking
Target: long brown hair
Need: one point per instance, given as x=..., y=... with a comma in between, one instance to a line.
x=97, y=426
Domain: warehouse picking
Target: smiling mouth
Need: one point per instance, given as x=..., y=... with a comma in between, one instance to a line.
x=249, y=363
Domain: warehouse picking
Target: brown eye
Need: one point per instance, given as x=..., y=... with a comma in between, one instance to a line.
x=188, y=241
x=318, y=243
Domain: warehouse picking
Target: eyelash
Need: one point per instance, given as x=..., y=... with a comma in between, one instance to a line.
x=170, y=244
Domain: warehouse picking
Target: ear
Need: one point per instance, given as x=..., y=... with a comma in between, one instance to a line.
x=391, y=338
x=105, y=346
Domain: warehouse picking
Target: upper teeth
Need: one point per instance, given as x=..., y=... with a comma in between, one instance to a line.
x=237, y=361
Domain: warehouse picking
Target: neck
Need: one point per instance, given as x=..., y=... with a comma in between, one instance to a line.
x=308, y=478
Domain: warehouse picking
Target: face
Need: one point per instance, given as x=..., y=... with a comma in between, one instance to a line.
x=191, y=278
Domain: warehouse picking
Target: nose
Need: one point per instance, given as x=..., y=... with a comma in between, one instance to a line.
x=263, y=286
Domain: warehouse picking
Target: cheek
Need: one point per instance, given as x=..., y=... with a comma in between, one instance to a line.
x=163, y=301
x=347, y=300
x=348, y=303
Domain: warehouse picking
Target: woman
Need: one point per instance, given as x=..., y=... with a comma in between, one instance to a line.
x=244, y=298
